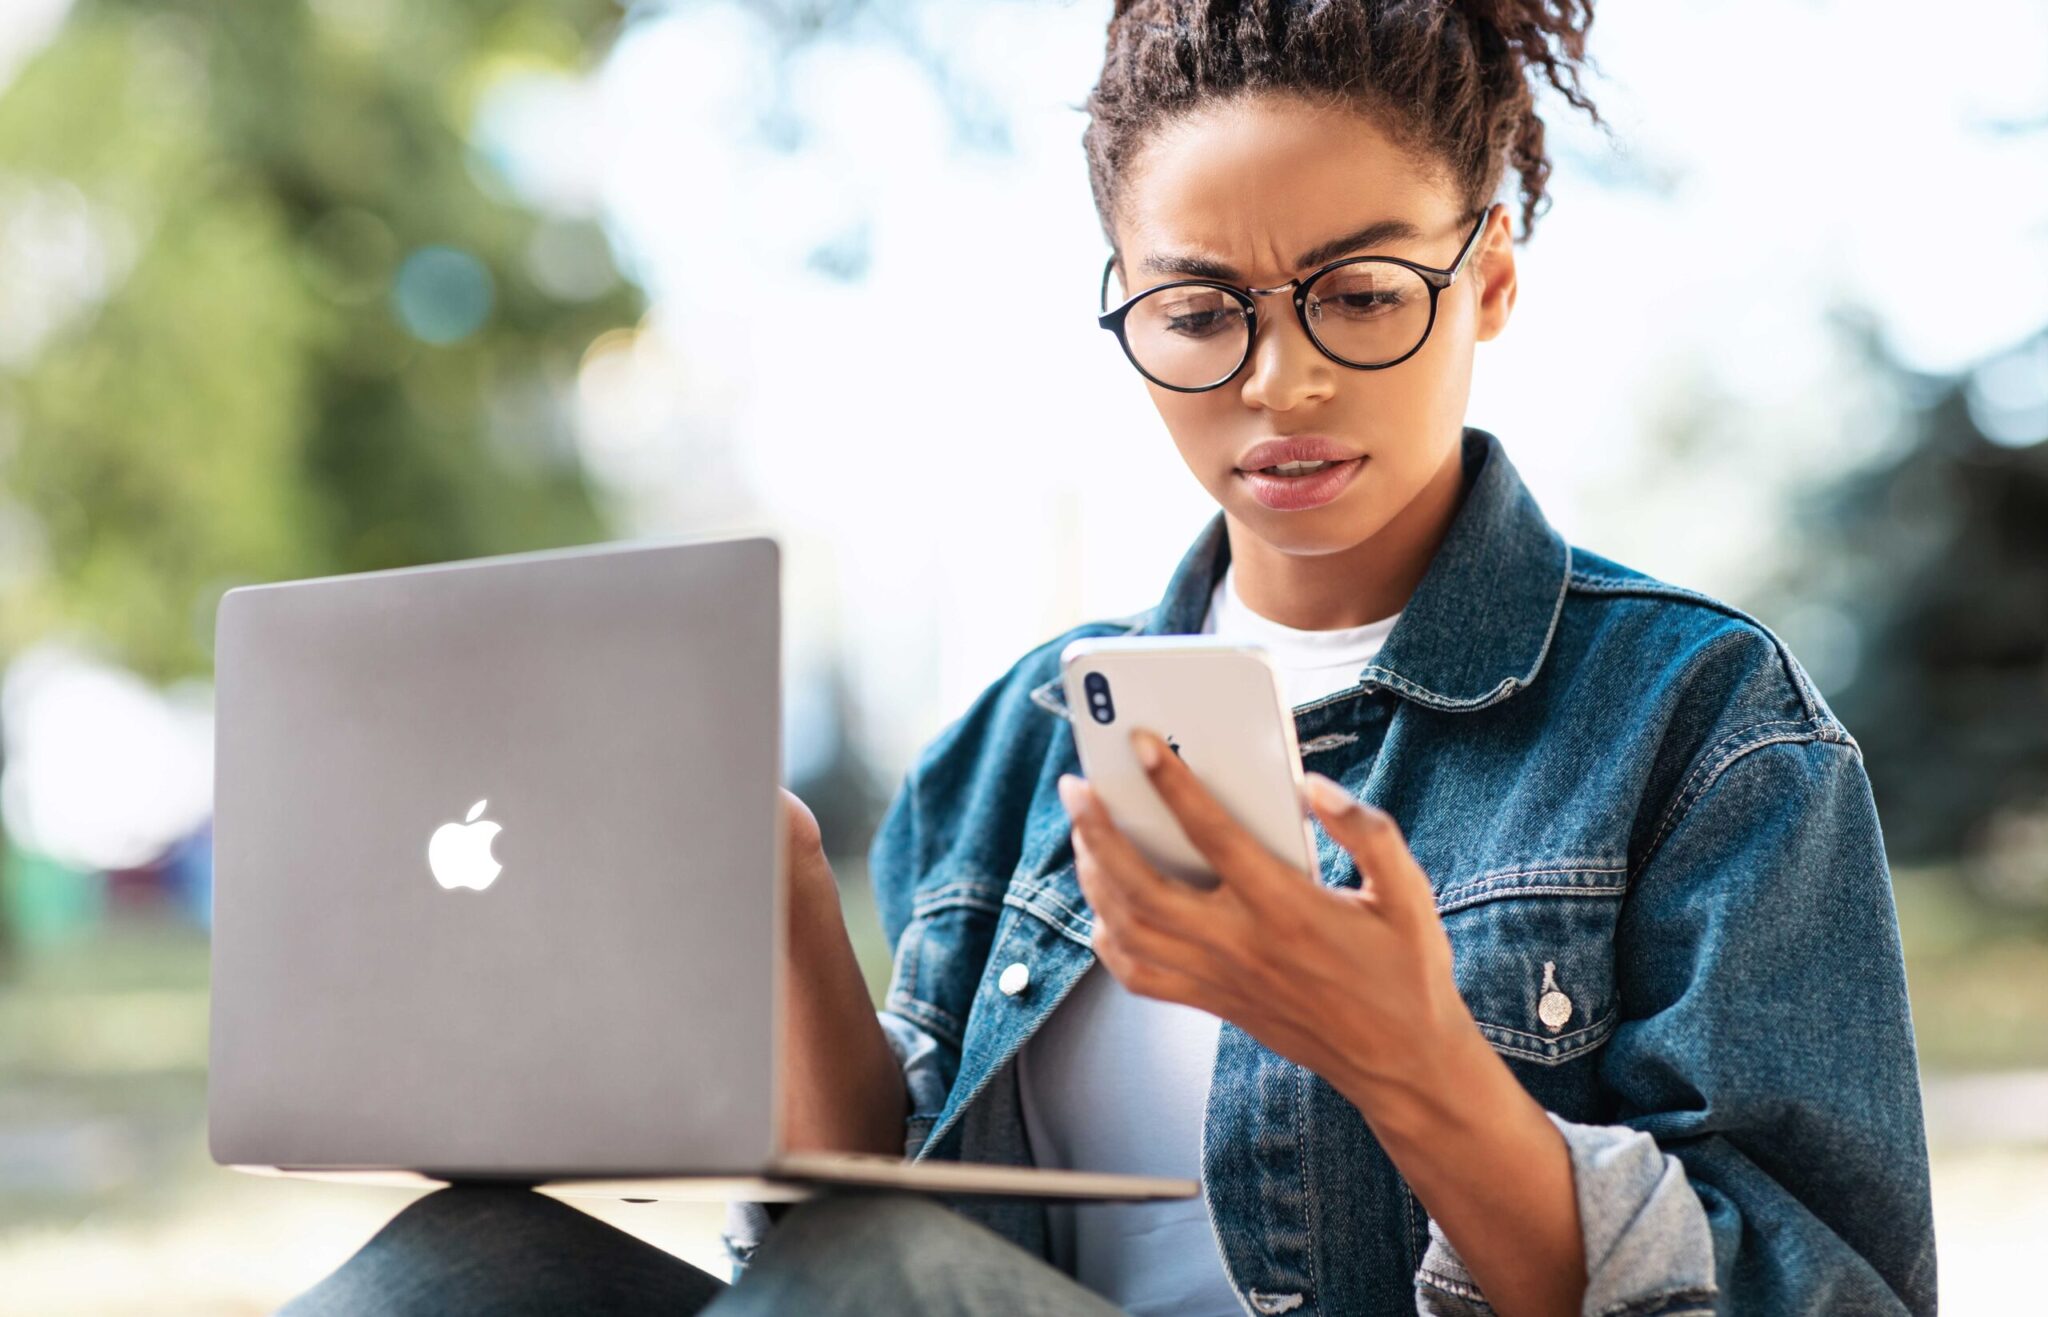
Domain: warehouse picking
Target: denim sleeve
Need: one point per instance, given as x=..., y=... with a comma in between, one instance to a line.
x=1768, y=1152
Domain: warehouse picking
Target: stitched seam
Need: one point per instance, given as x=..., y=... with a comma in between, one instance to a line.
x=1556, y=611
x=912, y=945
x=1408, y=1212
x=1308, y=1216
x=952, y=896
x=1549, y=1051
x=1506, y=888
x=1061, y=919
x=1052, y=898
x=1570, y=864
x=1614, y=585
x=923, y=1013
x=1424, y=696
x=1572, y=1039
x=1595, y=583
x=1508, y=685
x=1510, y=893
x=1681, y=799
x=1708, y=770
x=1499, y=877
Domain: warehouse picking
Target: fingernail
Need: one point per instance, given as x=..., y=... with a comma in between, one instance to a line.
x=1069, y=788
x=1147, y=747
x=1329, y=798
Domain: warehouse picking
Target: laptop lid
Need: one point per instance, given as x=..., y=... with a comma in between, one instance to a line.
x=497, y=858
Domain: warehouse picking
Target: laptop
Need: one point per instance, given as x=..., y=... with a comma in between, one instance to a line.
x=497, y=883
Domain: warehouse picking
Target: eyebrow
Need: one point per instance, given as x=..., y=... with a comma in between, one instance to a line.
x=1375, y=234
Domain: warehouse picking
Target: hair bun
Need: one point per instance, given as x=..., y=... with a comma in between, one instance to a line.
x=1453, y=74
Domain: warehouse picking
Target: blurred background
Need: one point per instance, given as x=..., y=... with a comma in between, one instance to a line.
x=294, y=287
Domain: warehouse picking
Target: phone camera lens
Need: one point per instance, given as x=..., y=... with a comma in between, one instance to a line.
x=1099, y=705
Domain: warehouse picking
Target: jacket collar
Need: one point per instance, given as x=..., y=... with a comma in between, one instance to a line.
x=1480, y=622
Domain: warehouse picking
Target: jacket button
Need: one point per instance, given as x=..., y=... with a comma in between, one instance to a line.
x=1014, y=978
x=1553, y=1007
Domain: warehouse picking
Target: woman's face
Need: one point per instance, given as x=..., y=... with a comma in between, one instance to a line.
x=1249, y=187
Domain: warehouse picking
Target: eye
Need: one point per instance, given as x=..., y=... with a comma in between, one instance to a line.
x=1361, y=305
x=1365, y=292
x=1193, y=312
x=1197, y=324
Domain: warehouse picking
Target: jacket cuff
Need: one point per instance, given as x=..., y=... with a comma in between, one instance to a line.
x=746, y=1225
x=1649, y=1252
x=925, y=1074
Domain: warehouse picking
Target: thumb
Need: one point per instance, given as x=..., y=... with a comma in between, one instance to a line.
x=1386, y=868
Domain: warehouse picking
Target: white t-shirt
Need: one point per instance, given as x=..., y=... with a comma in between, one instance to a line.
x=1118, y=1082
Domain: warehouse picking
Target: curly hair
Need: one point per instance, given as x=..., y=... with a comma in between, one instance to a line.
x=1446, y=79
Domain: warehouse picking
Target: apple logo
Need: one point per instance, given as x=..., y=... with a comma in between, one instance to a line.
x=460, y=853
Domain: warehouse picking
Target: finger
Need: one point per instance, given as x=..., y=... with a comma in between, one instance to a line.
x=1144, y=962
x=1123, y=877
x=1393, y=880
x=1229, y=847
x=1207, y=948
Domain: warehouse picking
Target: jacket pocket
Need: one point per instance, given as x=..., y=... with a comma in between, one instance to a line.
x=939, y=958
x=1533, y=952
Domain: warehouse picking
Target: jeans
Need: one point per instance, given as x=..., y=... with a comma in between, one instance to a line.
x=515, y=1253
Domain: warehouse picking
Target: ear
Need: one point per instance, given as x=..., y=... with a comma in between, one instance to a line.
x=1494, y=267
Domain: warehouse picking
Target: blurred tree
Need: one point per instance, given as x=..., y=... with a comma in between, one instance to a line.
x=1933, y=564
x=288, y=325
x=264, y=315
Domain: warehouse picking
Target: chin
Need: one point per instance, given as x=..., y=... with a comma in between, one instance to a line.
x=1331, y=528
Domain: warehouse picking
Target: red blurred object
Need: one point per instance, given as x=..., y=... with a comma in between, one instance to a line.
x=145, y=886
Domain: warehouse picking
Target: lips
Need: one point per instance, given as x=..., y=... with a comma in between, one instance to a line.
x=1294, y=448
x=1300, y=493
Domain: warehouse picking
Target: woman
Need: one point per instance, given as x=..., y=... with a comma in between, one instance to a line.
x=1599, y=1006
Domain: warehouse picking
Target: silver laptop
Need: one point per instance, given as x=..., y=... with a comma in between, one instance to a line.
x=496, y=882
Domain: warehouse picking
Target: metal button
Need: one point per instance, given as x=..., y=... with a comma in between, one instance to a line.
x=1552, y=1007
x=1014, y=978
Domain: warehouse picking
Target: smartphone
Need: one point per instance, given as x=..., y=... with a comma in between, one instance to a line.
x=1218, y=705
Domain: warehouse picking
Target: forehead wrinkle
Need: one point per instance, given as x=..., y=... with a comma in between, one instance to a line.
x=1201, y=265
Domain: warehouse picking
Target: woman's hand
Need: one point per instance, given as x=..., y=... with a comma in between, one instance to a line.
x=842, y=1089
x=803, y=854
x=1354, y=984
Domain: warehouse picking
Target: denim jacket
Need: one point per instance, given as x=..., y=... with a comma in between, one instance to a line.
x=1655, y=852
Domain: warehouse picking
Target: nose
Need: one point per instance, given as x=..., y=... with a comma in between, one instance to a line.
x=1286, y=368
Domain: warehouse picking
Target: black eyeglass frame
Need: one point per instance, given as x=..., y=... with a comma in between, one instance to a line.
x=1434, y=278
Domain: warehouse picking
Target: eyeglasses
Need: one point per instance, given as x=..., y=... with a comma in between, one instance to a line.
x=1365, y=312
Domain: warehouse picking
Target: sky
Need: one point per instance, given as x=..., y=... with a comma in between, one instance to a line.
x=952, y=490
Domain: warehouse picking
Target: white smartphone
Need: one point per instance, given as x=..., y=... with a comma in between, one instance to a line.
x=1220, y=706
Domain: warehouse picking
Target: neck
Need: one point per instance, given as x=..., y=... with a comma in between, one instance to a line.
x=1360, y=583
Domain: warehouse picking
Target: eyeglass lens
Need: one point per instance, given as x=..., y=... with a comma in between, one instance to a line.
x=1368, y=313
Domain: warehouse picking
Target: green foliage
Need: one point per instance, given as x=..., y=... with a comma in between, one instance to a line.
x=227, y=390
